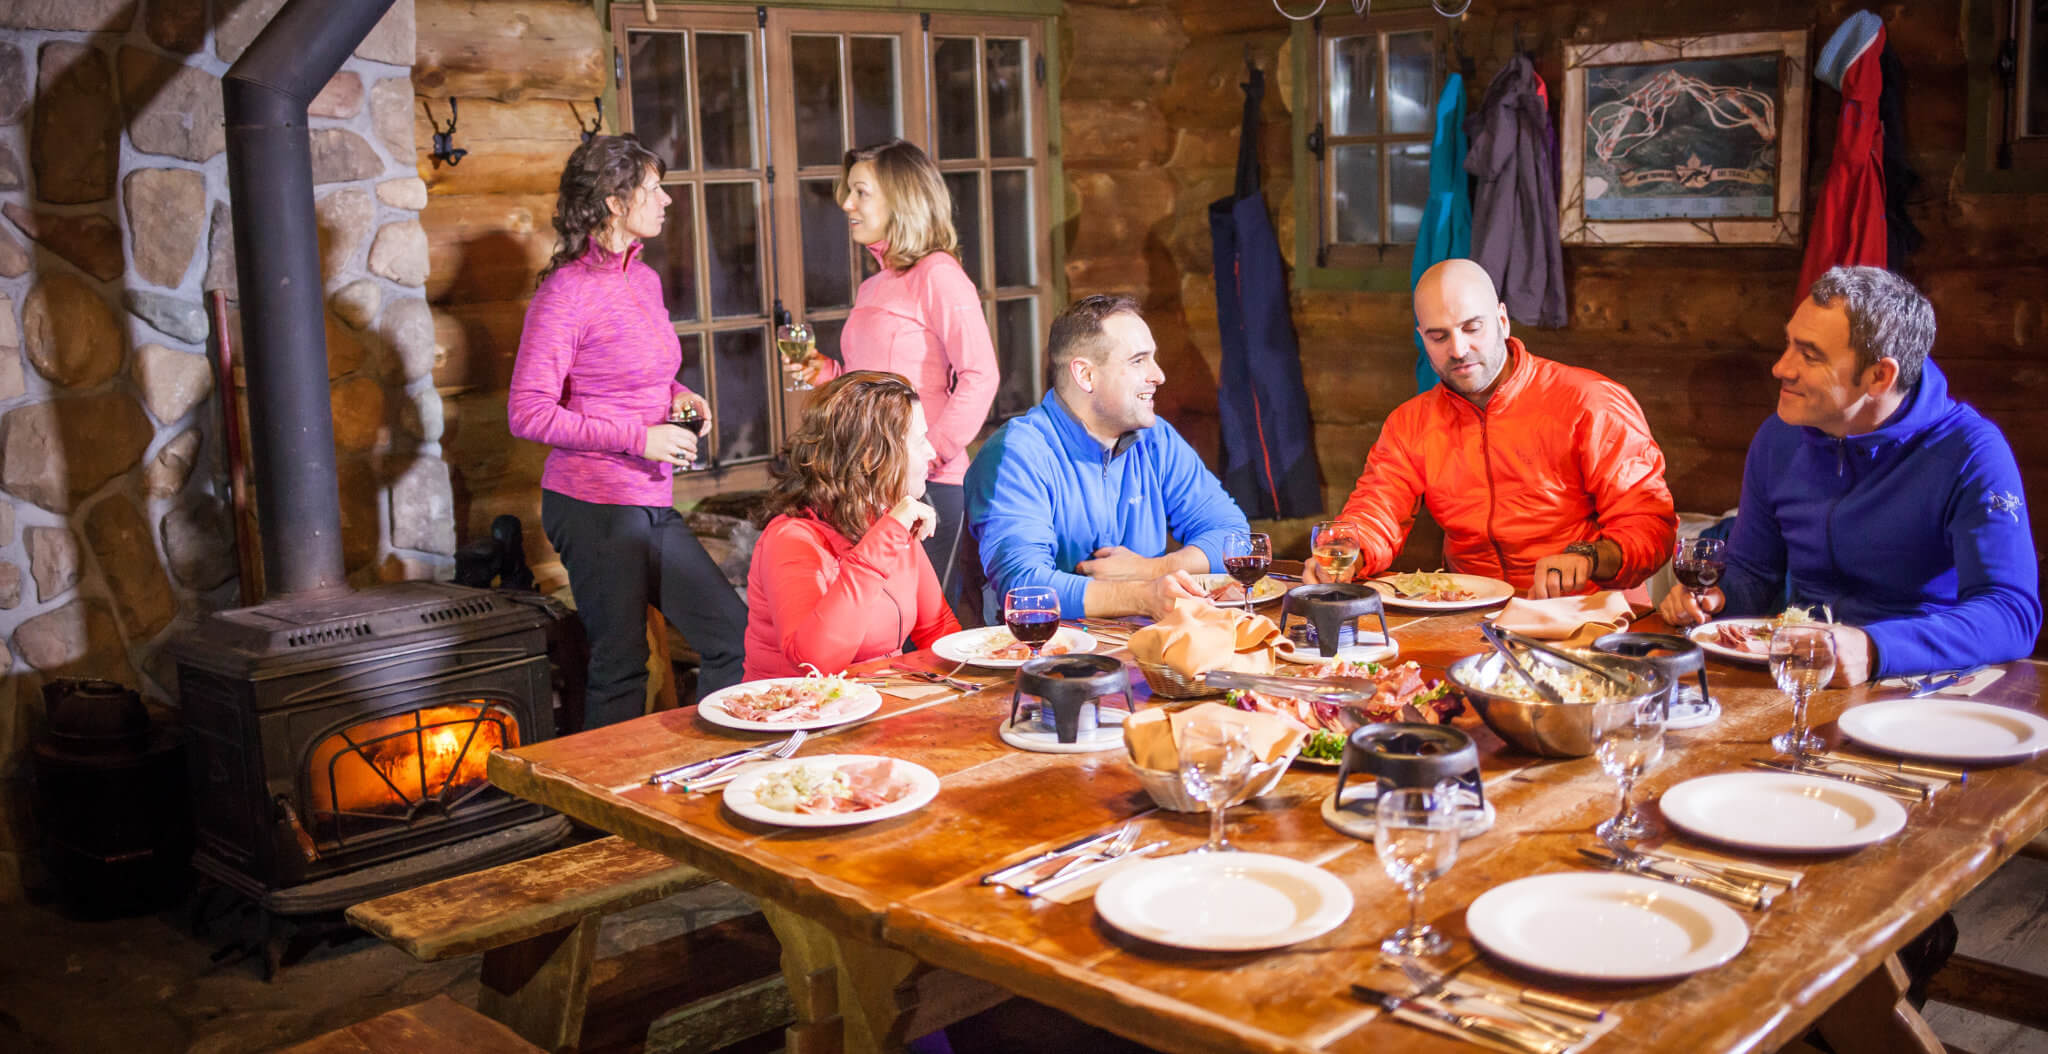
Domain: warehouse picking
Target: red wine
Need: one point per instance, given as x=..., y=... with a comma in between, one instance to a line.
x=1246, y=569
x=1698, y=574
x=1033, y=627
x=692, y=421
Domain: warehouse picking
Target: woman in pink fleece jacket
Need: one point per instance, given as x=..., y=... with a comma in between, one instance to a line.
x=595, y=380
x=919, y=316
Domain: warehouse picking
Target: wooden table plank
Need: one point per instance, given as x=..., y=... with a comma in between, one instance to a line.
x=913, y=883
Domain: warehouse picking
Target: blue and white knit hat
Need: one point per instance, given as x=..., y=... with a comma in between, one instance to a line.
x=1850, y=41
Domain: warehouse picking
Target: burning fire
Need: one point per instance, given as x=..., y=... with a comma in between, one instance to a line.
x=386, y=769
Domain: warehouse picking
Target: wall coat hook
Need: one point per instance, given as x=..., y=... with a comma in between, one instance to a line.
x=444, y=138
x=596, y=124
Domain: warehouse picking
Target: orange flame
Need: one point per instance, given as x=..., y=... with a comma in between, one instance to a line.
x=387, y=766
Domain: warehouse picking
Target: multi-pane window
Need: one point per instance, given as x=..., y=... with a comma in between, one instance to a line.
x=753, y=116
x=1378, y=86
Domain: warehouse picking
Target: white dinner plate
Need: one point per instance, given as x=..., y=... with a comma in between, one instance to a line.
x=859, y=701
x=740, y=794
x=1486, y=592
x=972, y=645
x=1223, y=901
x=1605, y=927
x=1946, y=729
x=1782, y=812
x=1703, y=635
x=1263, y=591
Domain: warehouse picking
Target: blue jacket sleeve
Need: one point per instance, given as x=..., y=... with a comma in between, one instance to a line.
x=1199, y=511
x=1009, y=493
x=1754, y=581
x=1998, y=609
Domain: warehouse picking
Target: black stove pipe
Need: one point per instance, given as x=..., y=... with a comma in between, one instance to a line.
x=277, y=263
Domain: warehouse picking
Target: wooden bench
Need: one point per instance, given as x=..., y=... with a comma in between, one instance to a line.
x=535, y=922
x=439, y=1024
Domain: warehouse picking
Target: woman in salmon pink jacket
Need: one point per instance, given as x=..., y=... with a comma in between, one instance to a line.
x=838, y=575
x=595, y=381
x=919, y=316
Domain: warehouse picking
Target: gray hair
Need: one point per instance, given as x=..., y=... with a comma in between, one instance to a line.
x=1888, y=318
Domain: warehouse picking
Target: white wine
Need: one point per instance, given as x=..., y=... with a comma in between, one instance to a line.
x=796, y=351
x=1335, y=562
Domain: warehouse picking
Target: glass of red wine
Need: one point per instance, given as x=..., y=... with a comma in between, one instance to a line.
x=689, y=417
x=1033, y=615
x=1698, y=565
x=1246, y=555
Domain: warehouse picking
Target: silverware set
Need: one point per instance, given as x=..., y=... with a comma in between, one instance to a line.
x=1055, y=867
x=1903, y=789
x=1935, y=682
x=1436, y=986
x=1514, y=1037
x=1745, y=892
x=714, y=772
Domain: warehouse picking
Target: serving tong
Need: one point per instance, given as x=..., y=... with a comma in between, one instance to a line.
x=1502, y=638
x=1343, y=691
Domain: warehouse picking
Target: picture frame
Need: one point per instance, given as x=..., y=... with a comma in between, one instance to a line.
x=1685, y=140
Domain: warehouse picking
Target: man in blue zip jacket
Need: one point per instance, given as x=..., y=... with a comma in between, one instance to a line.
x=1874, y=492
x=1086, y=492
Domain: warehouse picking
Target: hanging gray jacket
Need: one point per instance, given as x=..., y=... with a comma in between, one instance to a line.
x=1514, y=197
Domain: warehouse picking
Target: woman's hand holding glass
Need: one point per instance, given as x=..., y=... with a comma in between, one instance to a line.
x=797, y=345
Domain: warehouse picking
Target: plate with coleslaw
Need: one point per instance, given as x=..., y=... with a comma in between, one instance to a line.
x=785, y=704
x=1440, y=590
x=831, y=790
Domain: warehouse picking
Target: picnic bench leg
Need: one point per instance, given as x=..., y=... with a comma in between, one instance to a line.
x=844, y=992
x=540, y=986
x=1876, y=1016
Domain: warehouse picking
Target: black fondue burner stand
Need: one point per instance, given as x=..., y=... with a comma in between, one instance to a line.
x=1067, y=683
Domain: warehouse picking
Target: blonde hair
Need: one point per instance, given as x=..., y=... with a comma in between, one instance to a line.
x=920, y=208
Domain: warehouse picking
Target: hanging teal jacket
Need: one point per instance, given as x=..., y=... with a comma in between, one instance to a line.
x=1446, y=232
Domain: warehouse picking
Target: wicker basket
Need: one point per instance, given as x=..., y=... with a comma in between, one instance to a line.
x=1169, y=683
x=1169, y=793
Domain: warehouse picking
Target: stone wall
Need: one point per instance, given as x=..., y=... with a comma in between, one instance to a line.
x=1150, y=110
x=115, y=529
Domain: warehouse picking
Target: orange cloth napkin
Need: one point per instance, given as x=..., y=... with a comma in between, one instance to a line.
x=1577, y=621
x=1196, y=637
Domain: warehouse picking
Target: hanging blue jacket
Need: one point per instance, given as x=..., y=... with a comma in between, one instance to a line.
x=1043, y=495
x=1916, y=532
x=1446, y=232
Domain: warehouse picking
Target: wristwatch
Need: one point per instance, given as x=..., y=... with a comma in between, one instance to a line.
x=1589, y=550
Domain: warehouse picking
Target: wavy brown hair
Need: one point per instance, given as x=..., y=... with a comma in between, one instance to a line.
x=609, y=166
x=920, y=207
x=846, y=462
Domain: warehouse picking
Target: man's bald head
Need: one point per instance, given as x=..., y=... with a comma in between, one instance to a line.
x=1464, y=326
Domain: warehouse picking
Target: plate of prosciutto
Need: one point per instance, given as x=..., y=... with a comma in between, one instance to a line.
x=831, y=790
x=993, y=646
x=1404, y=694
x=788, y=703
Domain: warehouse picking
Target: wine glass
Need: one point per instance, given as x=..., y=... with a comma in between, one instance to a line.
x=1334, y=546
x=1630, y=747
x=691, y=418
x=1033, y=615
x=797, y=343
x=1802, y=659
x=1698, y=564
x=1246, y=555
x=1215, y=759
x=1417, y=840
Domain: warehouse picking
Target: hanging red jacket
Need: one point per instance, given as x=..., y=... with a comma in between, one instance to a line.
x=1848, y=221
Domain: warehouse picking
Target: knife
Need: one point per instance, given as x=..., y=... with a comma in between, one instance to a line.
x=1948, y=680
x=1043, y=886
x=1075, y=846
x=1431, y=985
x=1904, y=791
x=1486, y=1027
x=1751, y=898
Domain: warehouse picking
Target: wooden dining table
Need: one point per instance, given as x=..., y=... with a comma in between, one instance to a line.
x=888, y=932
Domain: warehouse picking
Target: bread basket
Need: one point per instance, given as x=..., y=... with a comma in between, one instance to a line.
x=1169, y=793
x=1169, y=683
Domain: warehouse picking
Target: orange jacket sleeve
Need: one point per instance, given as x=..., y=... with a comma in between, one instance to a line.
x=1624, y=473
x=1387, y=496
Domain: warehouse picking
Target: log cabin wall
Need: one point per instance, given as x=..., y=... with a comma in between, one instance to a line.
x=1150, y=112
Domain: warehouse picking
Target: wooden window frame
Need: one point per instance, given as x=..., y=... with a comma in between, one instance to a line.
x=1992, y=98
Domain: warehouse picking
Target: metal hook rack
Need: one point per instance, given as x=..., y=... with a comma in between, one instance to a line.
x=444, y=138
x=596, y=124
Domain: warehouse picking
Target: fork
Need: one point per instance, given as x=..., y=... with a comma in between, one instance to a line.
x=1126, y=837
x=1428, y=985
x=725, y=771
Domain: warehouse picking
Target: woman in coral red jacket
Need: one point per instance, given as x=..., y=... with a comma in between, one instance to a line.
x=919, y=316
x=838, y=576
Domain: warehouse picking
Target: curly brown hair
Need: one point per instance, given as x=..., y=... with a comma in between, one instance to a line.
x=606, y=167
x=847, y=460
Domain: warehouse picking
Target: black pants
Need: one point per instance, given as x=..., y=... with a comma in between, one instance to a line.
x=621, y=558
x=949, y=500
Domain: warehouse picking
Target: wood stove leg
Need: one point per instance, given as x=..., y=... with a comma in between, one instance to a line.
x=540, y=986
x=1876, y=1016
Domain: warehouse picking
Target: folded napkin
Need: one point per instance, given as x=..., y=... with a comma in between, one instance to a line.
x=1575, y=620
x=1196, y=637
x=1152, y=735
x=1962, y=689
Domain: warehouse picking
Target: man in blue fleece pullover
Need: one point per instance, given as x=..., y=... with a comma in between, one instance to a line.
x=1879, y=495
x=1086, y=491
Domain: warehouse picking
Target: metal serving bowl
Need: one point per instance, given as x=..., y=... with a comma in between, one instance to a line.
x=1554, y=730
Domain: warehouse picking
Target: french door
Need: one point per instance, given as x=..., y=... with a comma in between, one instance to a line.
x=753, y=115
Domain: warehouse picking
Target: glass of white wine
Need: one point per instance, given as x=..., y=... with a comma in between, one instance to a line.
x=1802, y=659
x=797, y=343
x=1630, y=747
x=1334, y=546
x=1416, y=835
